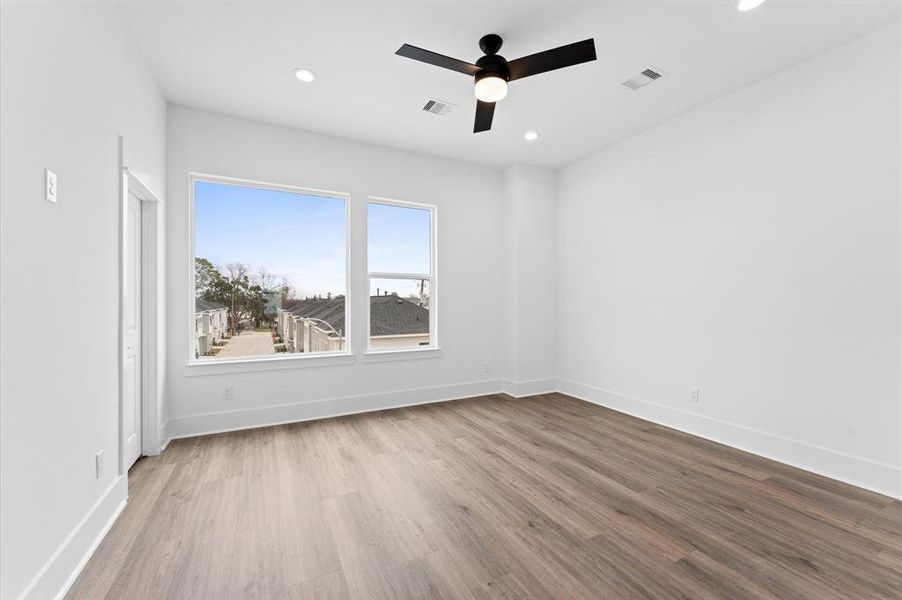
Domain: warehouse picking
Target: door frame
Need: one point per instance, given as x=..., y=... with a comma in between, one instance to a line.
x=151, y=313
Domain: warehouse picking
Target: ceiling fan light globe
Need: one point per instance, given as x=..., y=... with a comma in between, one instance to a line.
x=490, y=89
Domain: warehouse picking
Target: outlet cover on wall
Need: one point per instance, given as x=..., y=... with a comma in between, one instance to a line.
x=693, y=395
x=50, y=191
x=98, y=465
x=227, y=393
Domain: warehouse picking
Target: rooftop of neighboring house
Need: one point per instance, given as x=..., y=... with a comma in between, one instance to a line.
x=389, y=314
x=330, y=310
x=201, y=305
x=394, y=315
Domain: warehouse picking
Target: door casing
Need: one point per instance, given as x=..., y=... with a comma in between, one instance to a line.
x=151, y=313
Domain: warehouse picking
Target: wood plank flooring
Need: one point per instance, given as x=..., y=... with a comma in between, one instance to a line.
x=489, y=498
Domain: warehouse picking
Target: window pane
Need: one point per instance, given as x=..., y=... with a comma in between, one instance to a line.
x=399, y=313
x=398, y=239
x=269, y=272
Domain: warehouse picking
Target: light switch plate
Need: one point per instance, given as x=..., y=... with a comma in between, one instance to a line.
x=50, y=190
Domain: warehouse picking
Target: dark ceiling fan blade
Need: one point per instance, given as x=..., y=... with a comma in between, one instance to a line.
x=549, y=60
x=484, y=113
x=439, y=60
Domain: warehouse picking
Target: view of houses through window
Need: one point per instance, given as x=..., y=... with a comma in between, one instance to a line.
x=399, y=251
x=270, y=272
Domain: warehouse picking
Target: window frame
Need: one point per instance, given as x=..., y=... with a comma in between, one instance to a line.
x=431, y=277
x=325, y=358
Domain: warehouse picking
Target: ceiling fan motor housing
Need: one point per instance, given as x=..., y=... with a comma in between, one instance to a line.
x=493, y=65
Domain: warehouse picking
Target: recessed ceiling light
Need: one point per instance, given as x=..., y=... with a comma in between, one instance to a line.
x=746, y=5
x=305, y=75
x=530, y=136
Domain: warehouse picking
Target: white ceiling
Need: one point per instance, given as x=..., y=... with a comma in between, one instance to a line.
x=238, y=57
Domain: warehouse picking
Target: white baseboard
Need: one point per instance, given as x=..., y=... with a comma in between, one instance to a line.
x=532, y=387
x=63, y=568
x=861, y=472
x=164, y=436
x=249, y=418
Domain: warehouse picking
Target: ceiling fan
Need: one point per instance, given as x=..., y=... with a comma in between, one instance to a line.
x=492, y=72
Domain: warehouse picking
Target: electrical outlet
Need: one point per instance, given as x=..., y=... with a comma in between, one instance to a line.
x=50, y=191
x=693, y=395
x=98, y=465
x=228, y=393
x=485, y=367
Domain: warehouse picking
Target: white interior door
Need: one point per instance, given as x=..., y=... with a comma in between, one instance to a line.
x=132, y=314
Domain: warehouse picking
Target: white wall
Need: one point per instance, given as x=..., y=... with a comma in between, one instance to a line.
x=531, y=241
x=470, y=274
x=71, y=84
x=751, y=248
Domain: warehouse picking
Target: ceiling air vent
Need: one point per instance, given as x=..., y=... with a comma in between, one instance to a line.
x=437, y=107
x=643, y=79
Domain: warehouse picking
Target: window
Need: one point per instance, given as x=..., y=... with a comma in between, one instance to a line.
x=270, y=271
x=401, y=265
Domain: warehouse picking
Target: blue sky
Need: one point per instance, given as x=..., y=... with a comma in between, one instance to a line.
x=398, y=239
x=302, y=237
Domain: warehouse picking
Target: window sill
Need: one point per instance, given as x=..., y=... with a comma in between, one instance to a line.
x=279, y=363
x=409, y=354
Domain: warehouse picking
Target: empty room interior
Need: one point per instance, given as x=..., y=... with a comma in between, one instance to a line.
x=473, y=300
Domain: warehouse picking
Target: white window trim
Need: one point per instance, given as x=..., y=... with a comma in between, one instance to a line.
x=269, y=363
x=433, y=349
x=402, y=354
x=258, y=363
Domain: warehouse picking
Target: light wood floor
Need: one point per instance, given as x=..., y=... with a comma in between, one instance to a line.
x=491, y=497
